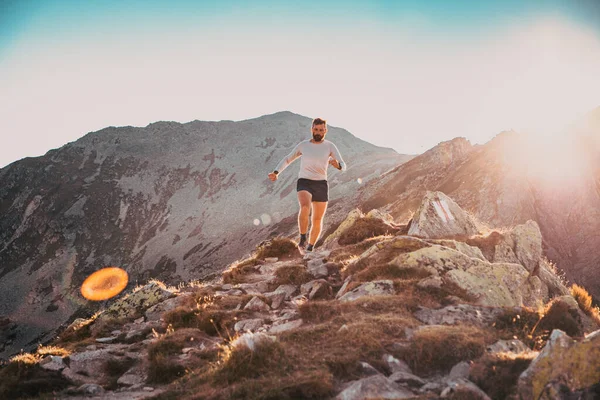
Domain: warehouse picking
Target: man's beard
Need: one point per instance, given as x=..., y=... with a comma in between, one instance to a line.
x=317, y=138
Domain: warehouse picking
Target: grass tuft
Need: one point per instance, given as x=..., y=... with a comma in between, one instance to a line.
x=277, y=247
x=292, y=275
x=437, y=349
x=497, y=374
x=22, y=377
x=364, y=228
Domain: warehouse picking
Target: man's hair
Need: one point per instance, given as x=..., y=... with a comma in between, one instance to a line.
x=319, y=121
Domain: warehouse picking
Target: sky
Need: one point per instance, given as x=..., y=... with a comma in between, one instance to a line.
x=399, y=74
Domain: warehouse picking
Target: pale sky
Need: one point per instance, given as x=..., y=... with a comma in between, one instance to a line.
x=398, y=73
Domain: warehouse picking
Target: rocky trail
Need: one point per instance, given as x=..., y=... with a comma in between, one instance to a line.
x=438, y=308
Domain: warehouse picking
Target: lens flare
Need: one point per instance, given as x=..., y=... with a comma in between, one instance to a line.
x=266, y=219
x=104, y=284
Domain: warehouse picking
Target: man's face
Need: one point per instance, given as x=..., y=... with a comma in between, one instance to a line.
x=319, y=132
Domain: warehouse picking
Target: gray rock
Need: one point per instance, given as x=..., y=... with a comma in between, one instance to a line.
x=375, y=288
x=276, y=298
x=252, y=340
x=53, y=363
x=459, y=314
x=562, y=359
x=374, y=387
x=248, y=325
x=109, y=339
x=318, y=268
x=256, y=288
x=316, y=290
x=90, y=389
x=367, y=369
x=460, y=371
x=289, y=290
x=433, y=282
x=288, y=326
x=464, y=389
x=136, y=375
x=256, y=304
x=405, y=378
x=396, y=365
x=508, y=346
x=342, y=290
x=439, y=216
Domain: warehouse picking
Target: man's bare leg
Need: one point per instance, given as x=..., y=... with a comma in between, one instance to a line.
x=304, y=200
x=319, y=208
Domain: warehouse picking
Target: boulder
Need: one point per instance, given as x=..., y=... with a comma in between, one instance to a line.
x=575, y=364
x=288, y=326
x=89, y=366
x=459, y=314
x=468, y=250
x=248, y=325
x=374, y=387
x=439, y=216
x=276, y=298
x=375, y=288
x=256, y=304
x=331, y=240
x=522, y=245
x=395, y=365
x=136, y=303
x=317, y=289
x=252, y=340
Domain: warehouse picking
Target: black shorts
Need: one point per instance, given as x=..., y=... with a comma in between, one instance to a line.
x=318, y=189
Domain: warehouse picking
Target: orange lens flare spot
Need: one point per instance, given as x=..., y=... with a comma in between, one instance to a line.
x=104, y=284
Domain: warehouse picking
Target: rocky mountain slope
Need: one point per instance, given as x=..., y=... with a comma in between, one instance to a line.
x=428, y=310
x=507, y=181
x=169, y=201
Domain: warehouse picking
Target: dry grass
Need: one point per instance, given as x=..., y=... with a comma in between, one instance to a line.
x=497, y=374
x=437, y=349
x=114, y=368
x=364, y=228
x=291, y=275
x=520, y=324
x=584, y=299
x=343, y=254
x=52, y=350
x=22, y=377
x=558, y=315
x=164, y=364
x=278, y=247
x=237, y=271
x=77, y=333
x=213, y=316
x=341, y=313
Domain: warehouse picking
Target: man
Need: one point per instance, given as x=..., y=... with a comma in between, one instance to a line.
x=312, y=185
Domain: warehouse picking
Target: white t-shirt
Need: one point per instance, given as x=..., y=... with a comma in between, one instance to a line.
x=314, y=159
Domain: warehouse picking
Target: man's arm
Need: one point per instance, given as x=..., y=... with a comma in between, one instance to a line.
x=337, y=157
x=287, y=160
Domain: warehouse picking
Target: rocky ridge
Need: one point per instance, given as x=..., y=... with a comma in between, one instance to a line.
x=399, y=316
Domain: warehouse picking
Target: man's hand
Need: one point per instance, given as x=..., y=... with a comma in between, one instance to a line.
x=334, y=163
x=273, y=176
